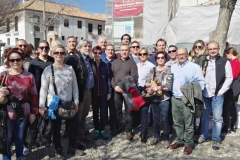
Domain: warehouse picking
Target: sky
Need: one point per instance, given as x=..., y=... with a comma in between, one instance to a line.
x=91, y=6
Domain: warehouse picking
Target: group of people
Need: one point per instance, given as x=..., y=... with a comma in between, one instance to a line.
x=92, y=76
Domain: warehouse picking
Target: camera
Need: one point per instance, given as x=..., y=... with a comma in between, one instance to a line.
x=18, y=111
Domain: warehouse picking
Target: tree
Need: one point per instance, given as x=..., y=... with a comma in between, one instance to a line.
x=225, y=14
x=6, y=19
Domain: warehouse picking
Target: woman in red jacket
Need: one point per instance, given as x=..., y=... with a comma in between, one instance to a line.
x=230, y=102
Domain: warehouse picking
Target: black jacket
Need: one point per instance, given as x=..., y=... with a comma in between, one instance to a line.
x=79, y=66
x=220, y=63
x=3, y=130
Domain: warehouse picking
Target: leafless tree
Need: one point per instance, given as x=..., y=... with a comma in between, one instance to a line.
x=7, y=19
x=225, y=14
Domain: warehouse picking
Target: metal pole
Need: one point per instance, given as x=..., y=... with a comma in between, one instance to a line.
x=44, y=21
x=34, y=38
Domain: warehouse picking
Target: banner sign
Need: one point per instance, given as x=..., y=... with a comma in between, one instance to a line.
x=123, y=27
x=126, y=8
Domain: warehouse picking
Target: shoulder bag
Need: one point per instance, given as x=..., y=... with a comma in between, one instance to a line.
x=155, y=94
x=66, y=109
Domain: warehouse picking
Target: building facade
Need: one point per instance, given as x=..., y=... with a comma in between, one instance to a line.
x=65, y=20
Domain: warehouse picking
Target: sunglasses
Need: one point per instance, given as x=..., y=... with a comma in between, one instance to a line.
x=160, y=58
x=99, y=53
x=142, y=54
x=171, y=51
x=46, y=47
x=59, y=53
x=13, y=60
x=135, y=46
x=199, y=47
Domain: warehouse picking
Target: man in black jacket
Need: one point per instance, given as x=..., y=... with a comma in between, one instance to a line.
x=81, y=63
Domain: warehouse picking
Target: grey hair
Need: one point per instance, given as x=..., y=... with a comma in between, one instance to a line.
x=82, y=43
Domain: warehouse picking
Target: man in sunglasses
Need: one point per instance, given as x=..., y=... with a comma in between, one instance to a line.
x=38, y=64
x=134, y=51
x=172, y=53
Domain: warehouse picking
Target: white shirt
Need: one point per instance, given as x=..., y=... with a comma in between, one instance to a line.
x=143, y=72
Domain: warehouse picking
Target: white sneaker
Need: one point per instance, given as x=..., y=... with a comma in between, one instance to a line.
x=26, y=151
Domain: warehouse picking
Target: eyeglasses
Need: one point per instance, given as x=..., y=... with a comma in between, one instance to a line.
x=171, y=51
x=46, y=47
x=21, y=45
x=142, y=54
x=198, y=47
x=160, y=58
x=59, y=53
x=210, y=49
x=13, y=60
x=99, y=53
x=135, y=46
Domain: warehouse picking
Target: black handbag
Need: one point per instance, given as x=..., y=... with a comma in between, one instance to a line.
x=156, y=94
x=66, y=110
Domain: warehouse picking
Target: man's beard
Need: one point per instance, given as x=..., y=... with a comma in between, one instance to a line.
x=86, y=53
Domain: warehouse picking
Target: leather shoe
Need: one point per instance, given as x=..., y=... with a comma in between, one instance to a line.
x=176, y=145
x=143, y=138
x=187, y=150
x=129, y=136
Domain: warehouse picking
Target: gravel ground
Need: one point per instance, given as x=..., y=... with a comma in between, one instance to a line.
x=119, y=148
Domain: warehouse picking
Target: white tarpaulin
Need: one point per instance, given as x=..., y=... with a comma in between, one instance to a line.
x=193, y=23
x=155, y=20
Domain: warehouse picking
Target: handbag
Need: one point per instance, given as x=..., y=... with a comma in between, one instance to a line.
x=155, y=94
x=65, y=110
x=4, y=99
x=167, y=80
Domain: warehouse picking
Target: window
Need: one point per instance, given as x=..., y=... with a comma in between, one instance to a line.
x=79, y=24
x=76, y=38
x=8, y=41
x=63, y=37
x=8, y=25
x=16, y=23
x=16, y=39
x=90, y=27
x=51, y=24
x=66, y=22
x=99, y=29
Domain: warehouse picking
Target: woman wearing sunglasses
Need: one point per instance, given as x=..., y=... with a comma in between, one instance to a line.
x=22, y=105
x=160, y=105
x=198, y=52
x=67, y=89
x=144, y=67
x=101, y=93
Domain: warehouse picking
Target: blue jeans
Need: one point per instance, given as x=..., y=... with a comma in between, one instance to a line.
x=160, y=115
x=216, y=105
x=16, y=129
x=144, y=118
